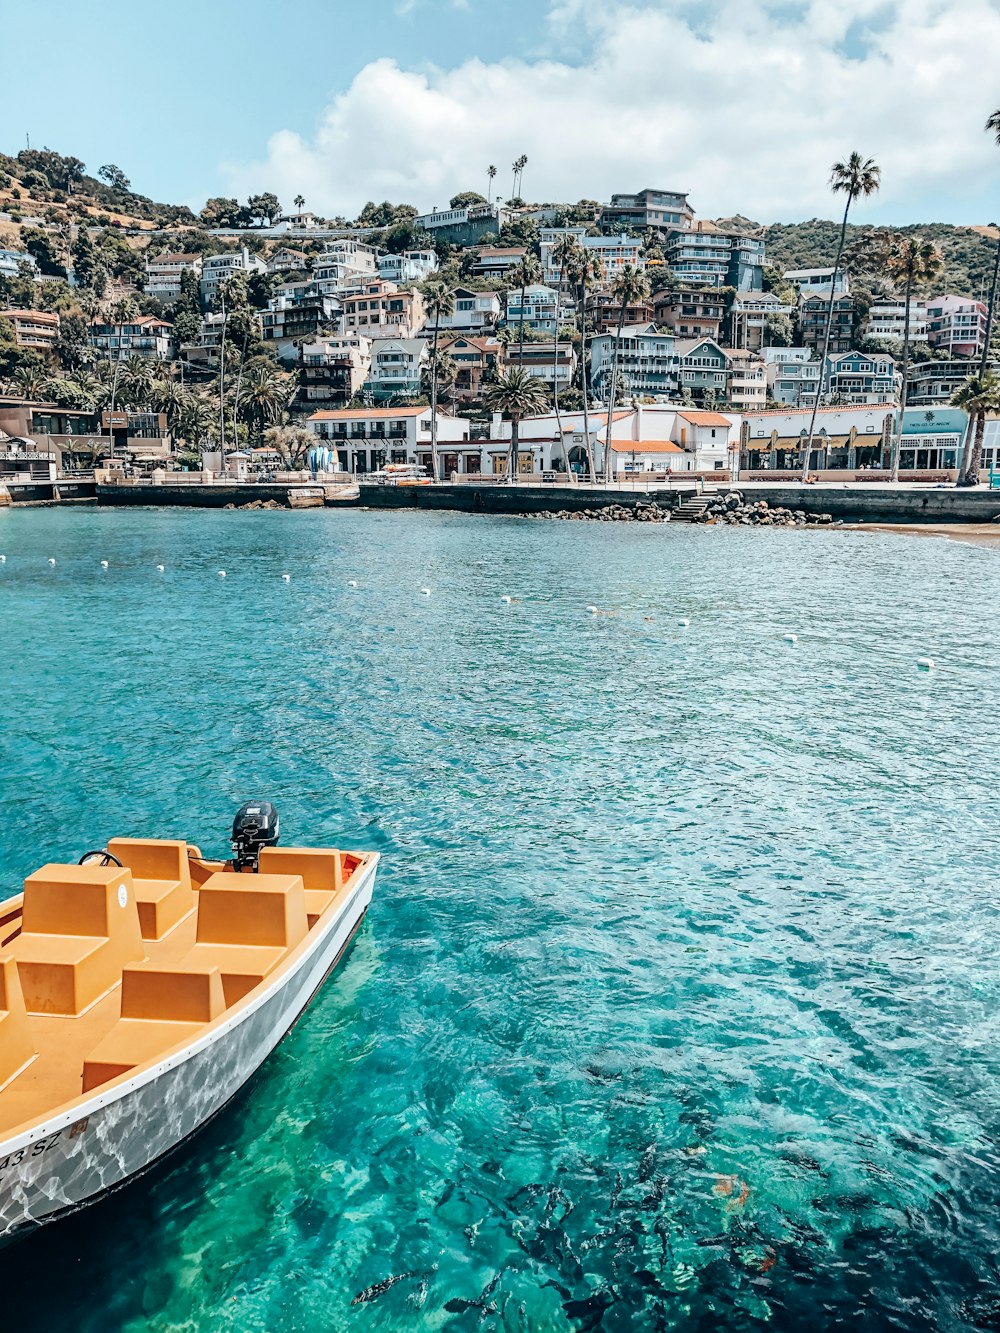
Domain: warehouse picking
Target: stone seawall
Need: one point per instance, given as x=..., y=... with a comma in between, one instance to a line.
x=193, y=495
x=509, y=499
x=858, y=503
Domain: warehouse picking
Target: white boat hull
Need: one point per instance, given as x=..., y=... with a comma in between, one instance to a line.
x=102, y=1141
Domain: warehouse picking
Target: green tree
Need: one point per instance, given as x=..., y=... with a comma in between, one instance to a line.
x=73, y=344
x=628, y=287
x=857, y=178
x=439, y=299
x=583, y=268
x=910, y=262
x=516, y=395
x=220, y=212
x=980, y=397
x=528, y=272
x=263, y=395
x=115, y=178
x=262, y=209
x=42, y=246
x=466, y=199
x=299, y=202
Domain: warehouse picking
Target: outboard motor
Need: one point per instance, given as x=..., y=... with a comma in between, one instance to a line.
x=256, y=825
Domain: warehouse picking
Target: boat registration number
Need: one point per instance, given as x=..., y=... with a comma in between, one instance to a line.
x=35, y=1149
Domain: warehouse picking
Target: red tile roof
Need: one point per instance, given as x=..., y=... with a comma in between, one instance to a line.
x=706, y=419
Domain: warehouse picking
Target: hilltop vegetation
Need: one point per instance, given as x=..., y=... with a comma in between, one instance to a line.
x=968, y=253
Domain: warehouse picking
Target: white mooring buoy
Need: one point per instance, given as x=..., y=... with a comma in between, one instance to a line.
x=684, y=622
x=426, y=591
x=222, y=573
x=52, y=560
x=592, y=610
x=161, y=568
x=3, y=559
x=791, y=638
x=507, y=599
x=286, y=578
x=925, y=663
x=352, y=583
x=104, y=564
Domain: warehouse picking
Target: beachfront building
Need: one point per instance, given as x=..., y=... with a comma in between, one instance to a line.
x=792, y=374
x=956, y=325
x=477, y=360
x=333, y=369
x=381, y=310
x=396, y=367
x=812, y=316
x=749, y=317
x=163, y=273
x=33, y=328
x=464, y=226
x=932, y=442
x=857, y=377
x=887, y=320
x=410, y=266
x=366, y=438
x=664, y=211
x=216, y=269
x=689, y=312
x=614, y=252
x=846, y=438
x=474, y=312
x=15, y=262
x=818, y=280
x=144, y=336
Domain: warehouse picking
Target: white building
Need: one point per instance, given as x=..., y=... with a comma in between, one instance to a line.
x=411, y=266
x=813, y=280
x=344, y=266
x=792, y=374
x=287, y=260
x=367, y=438
x=648, y=361
x=475, y=312
x=163, y=274
x=614, y=252
x=887, y=320
x=747, y=387
x=396, y=367
x=543, y=310
x=217, y=269
x=11, y=262
x=144, y=336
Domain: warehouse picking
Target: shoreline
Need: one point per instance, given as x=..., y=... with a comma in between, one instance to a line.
x=986, y=535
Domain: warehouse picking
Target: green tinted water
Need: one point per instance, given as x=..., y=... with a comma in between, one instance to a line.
x=677, y=1003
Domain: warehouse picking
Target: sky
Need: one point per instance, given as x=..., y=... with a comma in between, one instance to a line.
x=744, y=104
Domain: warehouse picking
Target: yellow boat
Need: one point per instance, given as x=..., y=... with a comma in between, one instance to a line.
x=140, y=989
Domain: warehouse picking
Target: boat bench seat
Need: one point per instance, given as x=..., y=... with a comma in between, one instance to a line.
x=162, y=879
x=16, y=1046
x=79, y=928
x=246, y=925
x=162, y=1005
x=241, y=966
x=322, y=874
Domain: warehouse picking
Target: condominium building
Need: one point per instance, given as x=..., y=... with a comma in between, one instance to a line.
x=163, y=274
x=286, y=260
x=747, y=320
x=887, y=320
x=810, y=280
x=381, y=309
x=792, y=374
x=410, y=266
x=605, y=312
x=541, y=309
x=553, y=364
x=344, y=266
x=663, y=210
x=474, y=312
x=856, y=377
x=295, y=312
x=217, y=269
x=689, y=312
x=395, y=367
x=333, y=369
x=464, y=226
x=33, y=328
x=746, y=388
x=812, y=317
x=614, y=252
x=707, y=256
x=477, y=361
x=957, y=325
x=932, y=383
x=648, y=362
x=144, y=336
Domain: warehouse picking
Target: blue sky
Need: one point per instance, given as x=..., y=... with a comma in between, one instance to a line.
x=744, y=103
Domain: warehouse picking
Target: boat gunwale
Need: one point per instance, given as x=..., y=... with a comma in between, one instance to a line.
x=86, y=1104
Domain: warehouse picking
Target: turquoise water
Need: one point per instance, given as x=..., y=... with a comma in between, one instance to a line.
x=677, y=1006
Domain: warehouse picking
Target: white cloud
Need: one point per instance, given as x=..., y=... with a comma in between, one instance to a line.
x=744, y=103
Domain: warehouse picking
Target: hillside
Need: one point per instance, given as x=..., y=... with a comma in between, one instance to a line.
x=968, y=252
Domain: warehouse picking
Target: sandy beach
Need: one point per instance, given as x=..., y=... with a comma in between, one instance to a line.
x=975, y=534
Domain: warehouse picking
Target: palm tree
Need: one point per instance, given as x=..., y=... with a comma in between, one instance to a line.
x=518, y=170
x=122, y=312
x=29, y=382
x=515, y=394
x=979, y=395
x=629, y=287
x=910, y=261
x=585, y=267
x=298, y=201
x=170, y=398
x=264, y=397
x=857, y=178
x=439, y=299
x=523, y=275
x=563, y=255
x=491, y=172
x=197, y=417
x=136, y=381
